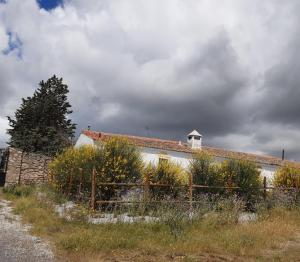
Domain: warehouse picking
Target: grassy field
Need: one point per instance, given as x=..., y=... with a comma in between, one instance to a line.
x=274, y=236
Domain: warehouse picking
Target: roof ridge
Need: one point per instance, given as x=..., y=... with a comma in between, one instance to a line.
x=174, y=145
x=142, y=137
x=241, y=152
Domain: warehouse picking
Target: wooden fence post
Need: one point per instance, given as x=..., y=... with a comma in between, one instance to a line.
x=93, y=192
x=70, y=183
x=191, y=191
x=230, y=184
x=265, y=188
x=146, y=187
x=80, y=184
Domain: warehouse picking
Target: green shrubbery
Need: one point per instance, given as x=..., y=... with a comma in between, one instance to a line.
x=65, y=169
x=116, y=161
x=243, y=174
x=205, y=172
x=230, y=173
x=18, y=190
x=122, y=163
x=166, y=173
x=287, y=176
x=287, y=182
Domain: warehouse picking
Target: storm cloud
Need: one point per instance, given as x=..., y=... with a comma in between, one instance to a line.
x=162, y=68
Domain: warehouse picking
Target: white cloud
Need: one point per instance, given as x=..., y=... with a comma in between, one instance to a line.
x=3, y=39
x=169, y=64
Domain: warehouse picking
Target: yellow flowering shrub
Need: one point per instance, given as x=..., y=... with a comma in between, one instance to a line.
x=287, y=176
x=122, y=163
x=115, y=161
x=169, y=173
x=69, y=163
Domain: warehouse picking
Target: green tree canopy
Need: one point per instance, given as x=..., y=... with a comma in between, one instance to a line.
x=41, y=123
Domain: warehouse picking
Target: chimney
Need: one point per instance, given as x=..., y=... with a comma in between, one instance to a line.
x=194, y=140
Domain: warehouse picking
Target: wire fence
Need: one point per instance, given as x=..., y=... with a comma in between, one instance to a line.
x=146, y=185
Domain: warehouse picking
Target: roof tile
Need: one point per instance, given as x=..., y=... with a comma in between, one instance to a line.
x=183, y=147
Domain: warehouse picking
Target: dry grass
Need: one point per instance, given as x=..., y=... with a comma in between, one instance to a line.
x=204, y=239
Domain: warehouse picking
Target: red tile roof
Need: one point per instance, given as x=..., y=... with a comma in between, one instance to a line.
x=184, y=147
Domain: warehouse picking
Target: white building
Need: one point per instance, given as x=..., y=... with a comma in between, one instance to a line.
x=153, y=150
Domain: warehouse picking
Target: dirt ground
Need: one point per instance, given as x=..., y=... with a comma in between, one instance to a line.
x=16, y=244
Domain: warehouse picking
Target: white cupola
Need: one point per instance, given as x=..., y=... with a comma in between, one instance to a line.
x=194, y=139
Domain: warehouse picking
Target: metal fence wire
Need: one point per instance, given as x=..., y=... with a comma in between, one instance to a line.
x=146, y=187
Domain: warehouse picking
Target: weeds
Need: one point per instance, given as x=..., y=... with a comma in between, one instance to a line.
x=211, y=227
x=18, y=191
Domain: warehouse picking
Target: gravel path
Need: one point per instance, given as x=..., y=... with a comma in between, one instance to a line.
x=16, y=244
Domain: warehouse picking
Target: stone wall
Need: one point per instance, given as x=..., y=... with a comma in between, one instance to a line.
x=26, y=168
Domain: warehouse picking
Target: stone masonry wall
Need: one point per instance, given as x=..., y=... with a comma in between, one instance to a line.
x=26, y=168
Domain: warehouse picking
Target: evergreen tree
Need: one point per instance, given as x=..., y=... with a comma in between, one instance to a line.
x=41, y=123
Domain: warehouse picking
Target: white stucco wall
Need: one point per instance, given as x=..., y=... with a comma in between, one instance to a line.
x=84, y=140
x=152, y=155
x=268, y=171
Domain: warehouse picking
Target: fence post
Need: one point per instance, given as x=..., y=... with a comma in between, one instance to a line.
x=265, y=188
x=70, y=183
x=80, y=184
x=230, y=184
x=191, y=191
x=146, y=187
x=93, y=192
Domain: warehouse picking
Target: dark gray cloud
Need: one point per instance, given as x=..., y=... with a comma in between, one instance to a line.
x=228, y=70
x=282, y=91
x=201, y=95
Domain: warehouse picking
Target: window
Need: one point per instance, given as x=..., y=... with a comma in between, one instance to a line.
x=195, y=137
x=163, y=158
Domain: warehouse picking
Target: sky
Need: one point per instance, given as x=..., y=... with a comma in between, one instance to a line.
x=49, y=4
x=229, y=69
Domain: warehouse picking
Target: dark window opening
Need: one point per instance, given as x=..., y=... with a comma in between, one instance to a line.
x=195, y=137
x=162, y=160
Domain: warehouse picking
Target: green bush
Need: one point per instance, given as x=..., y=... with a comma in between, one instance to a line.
x=205, y=172
x=287, y=176
x=229, y=173
x=243, y=174
x=115, y=161
x=70, y=163
x=169, y=173
x=122, y=164
x=19, y=190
